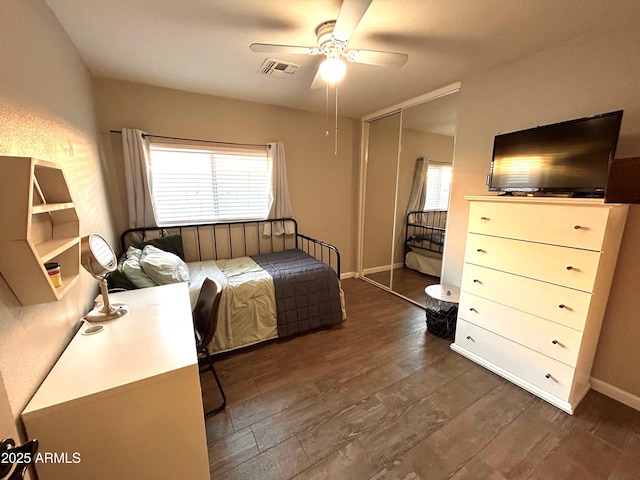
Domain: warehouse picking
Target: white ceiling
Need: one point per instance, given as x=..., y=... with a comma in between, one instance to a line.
x=203, y=45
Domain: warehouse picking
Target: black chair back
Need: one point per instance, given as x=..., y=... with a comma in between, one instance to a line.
x=205, y=322
x=205, y=314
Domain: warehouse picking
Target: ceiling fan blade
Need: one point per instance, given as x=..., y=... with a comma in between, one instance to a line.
x=349, y=17
x=271, y=48
x=383, y=59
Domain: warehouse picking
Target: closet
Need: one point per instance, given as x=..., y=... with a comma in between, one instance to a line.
x=392, y=142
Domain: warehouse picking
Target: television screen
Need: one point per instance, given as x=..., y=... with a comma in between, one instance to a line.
x=567, y=157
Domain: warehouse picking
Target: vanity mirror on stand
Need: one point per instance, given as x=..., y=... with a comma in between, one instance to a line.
x=98, y=258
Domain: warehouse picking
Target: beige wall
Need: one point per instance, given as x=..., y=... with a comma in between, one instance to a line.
x=586, y=76
x=7, y=422
x=46, y=111
x=322, y=186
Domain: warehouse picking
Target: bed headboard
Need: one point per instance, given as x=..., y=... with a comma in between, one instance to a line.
x=216, y=241
x=428, y=218
x=425, y=230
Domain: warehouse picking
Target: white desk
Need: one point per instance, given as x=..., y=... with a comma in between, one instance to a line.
x=127, y=399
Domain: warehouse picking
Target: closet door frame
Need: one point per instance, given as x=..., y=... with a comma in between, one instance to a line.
x=364, y=154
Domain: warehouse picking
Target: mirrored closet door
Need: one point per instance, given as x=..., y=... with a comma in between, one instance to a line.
x=382, y=165
x=406, y=195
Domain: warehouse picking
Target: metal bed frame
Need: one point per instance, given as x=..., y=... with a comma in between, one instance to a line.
x=421, y=225
x=214, y=241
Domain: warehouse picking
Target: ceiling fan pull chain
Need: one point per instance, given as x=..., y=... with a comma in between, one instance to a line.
x=335, y=150
x=326, y=109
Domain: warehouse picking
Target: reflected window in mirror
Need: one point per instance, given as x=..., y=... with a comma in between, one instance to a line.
x=438, y=186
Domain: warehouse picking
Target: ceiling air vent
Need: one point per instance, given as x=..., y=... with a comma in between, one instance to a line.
x=278, y=69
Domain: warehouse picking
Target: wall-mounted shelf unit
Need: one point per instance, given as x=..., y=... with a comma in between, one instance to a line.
x=39, y=225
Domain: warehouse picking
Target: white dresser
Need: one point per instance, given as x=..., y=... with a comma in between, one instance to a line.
x=126, y=402
x=535, y=285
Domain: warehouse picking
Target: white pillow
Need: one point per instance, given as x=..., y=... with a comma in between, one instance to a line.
x=163, y=267
x=133, y=270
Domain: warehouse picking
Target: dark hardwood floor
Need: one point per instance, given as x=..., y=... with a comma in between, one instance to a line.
x=381, y=398
x=407, y=282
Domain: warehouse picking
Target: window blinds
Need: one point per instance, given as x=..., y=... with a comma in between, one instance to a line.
x=192, y=184
x=438, y=186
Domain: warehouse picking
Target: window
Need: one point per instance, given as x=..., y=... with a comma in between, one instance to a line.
x=196, y=184
x=438, y=186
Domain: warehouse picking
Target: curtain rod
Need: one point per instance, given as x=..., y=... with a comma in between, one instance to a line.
x=145, y=135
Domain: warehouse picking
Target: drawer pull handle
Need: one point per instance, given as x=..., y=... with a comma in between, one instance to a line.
x=577, y=227
x=469, y=337
x=484, y=218
x=475, y=280
x=562, y=305
x=548, y=375
x=569, y=267
x=473, y=310
x=555, y=342
x=480, y=250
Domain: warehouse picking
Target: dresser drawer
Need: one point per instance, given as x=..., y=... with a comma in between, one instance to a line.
x=570, y=267
x=543, y=372
x=551, y=339
x=571, y=226
x=559, y=304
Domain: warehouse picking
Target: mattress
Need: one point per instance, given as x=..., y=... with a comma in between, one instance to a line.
x=427, y=262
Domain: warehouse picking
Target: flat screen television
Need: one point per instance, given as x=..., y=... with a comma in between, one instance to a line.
x=568, y=157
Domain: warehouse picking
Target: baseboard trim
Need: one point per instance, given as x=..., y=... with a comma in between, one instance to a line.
x=348, y=275
x=381, y=268
x=622, y=396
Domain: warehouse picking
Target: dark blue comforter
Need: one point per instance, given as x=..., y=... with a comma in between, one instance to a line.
x=307, y=291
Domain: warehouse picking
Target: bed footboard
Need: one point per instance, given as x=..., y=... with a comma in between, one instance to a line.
x=325, y=252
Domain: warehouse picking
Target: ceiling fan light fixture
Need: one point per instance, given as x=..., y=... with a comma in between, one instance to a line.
x=332, y=70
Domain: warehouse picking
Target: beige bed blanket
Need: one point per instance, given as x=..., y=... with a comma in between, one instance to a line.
x=248, y=291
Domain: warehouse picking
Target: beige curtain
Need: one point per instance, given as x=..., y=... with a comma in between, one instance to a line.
x=419, y=187
x=280, y=203
x=137, y=169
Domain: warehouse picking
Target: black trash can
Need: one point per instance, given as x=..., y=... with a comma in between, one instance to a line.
x=442, y=309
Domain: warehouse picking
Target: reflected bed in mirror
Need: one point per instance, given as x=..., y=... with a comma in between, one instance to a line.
x=423, y=245
x=424, y=241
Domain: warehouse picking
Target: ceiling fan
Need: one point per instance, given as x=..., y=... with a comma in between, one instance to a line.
x=333, y=37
